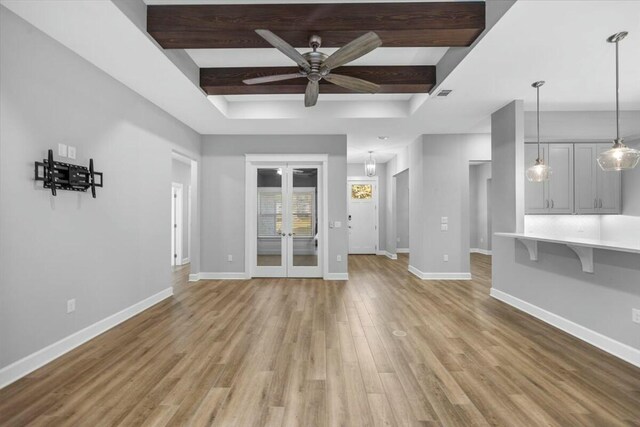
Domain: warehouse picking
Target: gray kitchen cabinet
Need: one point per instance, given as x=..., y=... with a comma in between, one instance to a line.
x=554, y=196
x=596, y=191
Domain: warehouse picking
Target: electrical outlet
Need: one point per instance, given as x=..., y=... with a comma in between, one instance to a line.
x=445, y=258
x=62, y=150
x=398, y=240
x=230, y=258
x=71, y=305
x=482, y=240
x=71, y=152
x=339, y=258
x=337, y=224
x=635, y=315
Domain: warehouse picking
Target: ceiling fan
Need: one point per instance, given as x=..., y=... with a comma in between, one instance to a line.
x=316, y=66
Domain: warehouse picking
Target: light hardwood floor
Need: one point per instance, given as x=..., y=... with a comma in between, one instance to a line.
x=308, y=352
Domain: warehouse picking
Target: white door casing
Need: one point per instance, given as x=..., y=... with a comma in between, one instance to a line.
x=287, y=266
x=176, y=223
x=363, y=217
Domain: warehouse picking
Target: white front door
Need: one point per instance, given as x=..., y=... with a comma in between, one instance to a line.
x=287, y=241
x=363, y=216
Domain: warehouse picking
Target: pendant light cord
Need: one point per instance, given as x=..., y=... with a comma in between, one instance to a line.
x=617, y=95
x=538, y=116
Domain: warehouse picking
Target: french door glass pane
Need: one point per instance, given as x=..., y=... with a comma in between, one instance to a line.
x=269, y=239
x=304, y=216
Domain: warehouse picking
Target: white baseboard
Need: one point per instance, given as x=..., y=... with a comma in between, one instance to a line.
x=611, y=346
x=439, y=276
x=194, y=277
x=185, y=261
x=402, y=250
x=480, y=251
x=387, y=254
x=30, y=363
x=336, y=276
x=222, y=276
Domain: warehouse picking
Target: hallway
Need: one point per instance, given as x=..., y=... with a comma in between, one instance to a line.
x=312, y=352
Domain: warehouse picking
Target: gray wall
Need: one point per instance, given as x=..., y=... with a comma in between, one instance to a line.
x=479, y=206
x=181, y=173
x=108, y=253
x=445, y=193
x=357, y=169
x=402, y=210
x=223, y=193
x=601, y=301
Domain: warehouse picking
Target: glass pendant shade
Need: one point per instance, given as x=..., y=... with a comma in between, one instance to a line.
x=370, y=165
x=538, y=172
x=619, y=157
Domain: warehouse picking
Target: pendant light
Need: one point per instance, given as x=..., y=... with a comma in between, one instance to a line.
x=370, y=165
x=619, y=157
x=539, y=172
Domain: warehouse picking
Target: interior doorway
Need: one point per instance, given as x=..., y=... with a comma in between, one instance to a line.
x=285, y=219
x=402, y=212
x=480, y=207
x=363, y=215
x=184, y=199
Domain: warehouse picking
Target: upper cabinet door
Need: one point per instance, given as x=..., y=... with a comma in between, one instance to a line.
x=608, y=187
x=536, y=201
x=586, y=170
x=560, y=184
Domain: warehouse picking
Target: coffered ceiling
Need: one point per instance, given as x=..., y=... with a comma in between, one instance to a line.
x=415, y=25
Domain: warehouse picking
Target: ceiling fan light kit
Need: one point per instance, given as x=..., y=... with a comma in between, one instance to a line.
x=316, y=66
x=619, y=157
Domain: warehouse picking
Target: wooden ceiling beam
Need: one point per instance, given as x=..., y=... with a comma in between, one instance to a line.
x=426, y=24
x=392, y=79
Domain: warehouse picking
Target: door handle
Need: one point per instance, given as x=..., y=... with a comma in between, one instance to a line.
x=292, y=234
x=552, y=203
x=283, y=234
x=546, y=203
x=600, y=205
x=595, y=203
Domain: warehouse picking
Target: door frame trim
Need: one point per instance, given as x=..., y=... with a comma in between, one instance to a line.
x=251, y=160
x=176, y=232
x=376, y=198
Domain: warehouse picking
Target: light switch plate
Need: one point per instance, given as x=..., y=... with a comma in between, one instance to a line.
x=71, y=152
x=337, y=224
x=62, y=150
x=635, y=315
x=444, y=227
x=71, y=305
x=444, y=220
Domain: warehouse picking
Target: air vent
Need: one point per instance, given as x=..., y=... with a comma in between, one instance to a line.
x=444, y=92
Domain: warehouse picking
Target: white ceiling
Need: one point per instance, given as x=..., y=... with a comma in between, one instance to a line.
x=534, y=40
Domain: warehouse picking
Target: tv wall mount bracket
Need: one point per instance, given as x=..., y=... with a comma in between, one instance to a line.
x=65, y=176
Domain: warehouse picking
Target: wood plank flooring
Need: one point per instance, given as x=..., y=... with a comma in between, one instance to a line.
x=278, y=352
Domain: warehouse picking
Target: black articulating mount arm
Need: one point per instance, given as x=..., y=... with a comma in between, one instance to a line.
x=65, y=176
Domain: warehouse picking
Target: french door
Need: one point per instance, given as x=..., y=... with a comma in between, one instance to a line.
x=287, y=238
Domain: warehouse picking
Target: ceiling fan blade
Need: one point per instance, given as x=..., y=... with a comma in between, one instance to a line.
x=285, y=48
x=352, y=83
x=275, y=78
x=311, y=94
x=352, y=50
